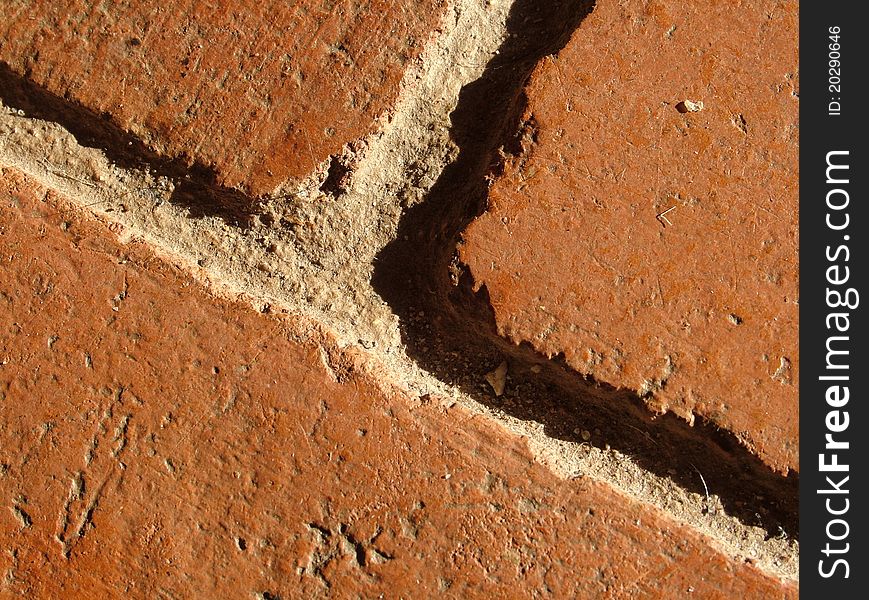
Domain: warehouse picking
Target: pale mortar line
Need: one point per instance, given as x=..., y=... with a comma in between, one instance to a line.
x=64, y=166
x=336, y=289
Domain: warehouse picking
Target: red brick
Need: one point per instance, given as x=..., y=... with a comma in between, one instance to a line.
x=260, y=91
x=698, y=311
x=155, y=440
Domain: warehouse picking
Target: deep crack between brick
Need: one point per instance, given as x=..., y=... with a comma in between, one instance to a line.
x=448, y=328
x=456, y=339
x=195, y=185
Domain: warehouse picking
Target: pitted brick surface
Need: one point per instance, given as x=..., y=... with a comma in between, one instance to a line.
x=260, y=91
x=155, y=440
x=654, y=244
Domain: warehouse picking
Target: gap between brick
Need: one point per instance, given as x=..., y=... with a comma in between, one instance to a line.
x=404, y=297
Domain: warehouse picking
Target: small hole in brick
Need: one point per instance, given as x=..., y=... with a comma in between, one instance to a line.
x=241, y=543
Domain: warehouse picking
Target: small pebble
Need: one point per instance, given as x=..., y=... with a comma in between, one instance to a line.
x=687, y=106
x=498, y=378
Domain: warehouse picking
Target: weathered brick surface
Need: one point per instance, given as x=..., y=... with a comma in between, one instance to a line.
x=260, y=91
x=156, y=441
x=697, y=308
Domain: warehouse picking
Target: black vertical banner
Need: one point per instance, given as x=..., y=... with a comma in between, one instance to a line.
x=834, y=421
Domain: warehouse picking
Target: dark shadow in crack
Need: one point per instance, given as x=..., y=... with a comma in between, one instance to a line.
x=196, y=186
x=449, y=329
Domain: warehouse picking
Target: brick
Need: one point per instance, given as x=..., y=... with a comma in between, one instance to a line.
x=261, y=92
x=157, y=440
x=696, y=310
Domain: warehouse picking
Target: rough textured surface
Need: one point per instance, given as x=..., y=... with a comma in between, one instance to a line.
x=159, y=441
x=746, y=515
x=299, y=394
x=648, y=228
x=263, y=92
